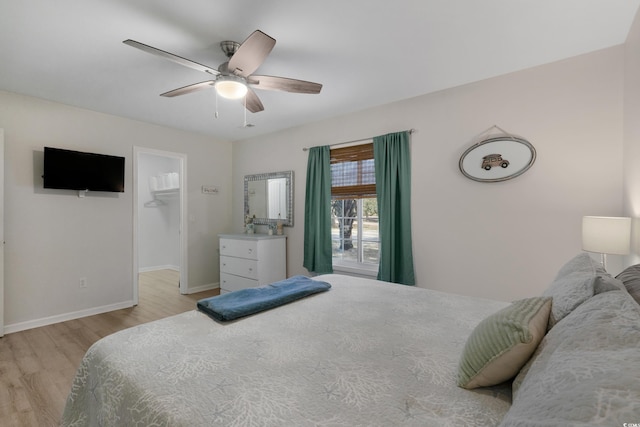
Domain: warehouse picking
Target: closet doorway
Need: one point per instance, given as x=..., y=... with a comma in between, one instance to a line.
x=1, y=232
x=159, y=216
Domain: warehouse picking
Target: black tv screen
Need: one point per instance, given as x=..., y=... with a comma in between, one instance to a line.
x=76, y=170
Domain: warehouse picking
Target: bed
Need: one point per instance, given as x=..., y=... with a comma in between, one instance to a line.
x=364, y=353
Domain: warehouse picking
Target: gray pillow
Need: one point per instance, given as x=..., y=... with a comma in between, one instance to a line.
x=577, y=281
x=630, y=278
x=606, y=282
x=585, y=370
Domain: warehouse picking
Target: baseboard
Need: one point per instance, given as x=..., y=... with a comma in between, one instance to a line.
x=203, y=288
x=22, y=326
x=45, y=321
x=159, y=267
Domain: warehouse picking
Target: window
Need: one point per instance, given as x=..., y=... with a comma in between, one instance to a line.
x=354, y=231
x=354, y=208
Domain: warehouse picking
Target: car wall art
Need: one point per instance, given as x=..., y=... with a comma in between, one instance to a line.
x=497, y=158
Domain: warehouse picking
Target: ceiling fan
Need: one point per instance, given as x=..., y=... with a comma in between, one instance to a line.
x=234, y=78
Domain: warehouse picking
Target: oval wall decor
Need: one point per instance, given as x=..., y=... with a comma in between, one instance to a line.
x=497, y=158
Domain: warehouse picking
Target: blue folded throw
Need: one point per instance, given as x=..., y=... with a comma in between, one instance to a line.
x=254, y=300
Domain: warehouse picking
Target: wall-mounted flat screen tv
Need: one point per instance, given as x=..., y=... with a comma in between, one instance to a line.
x=76, y=170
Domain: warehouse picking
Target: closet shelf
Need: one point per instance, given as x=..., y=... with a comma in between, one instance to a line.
x=165, y=192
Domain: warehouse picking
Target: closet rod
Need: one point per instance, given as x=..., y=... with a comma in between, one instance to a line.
x=352, y=142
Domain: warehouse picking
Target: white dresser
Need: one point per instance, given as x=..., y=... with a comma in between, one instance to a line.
x=249, y=260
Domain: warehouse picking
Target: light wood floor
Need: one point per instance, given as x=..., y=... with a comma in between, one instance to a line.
x=37, y=366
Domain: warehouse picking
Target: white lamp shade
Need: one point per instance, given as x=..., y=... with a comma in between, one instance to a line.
x=230, y=87
x=606, y=235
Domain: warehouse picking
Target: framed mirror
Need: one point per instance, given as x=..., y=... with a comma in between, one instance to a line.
x=269, y=197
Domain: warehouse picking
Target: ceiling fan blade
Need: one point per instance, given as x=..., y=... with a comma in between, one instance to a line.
x=191, y=88
x=253, y=102
x=171, y=57
x=251, y=53
x=284, y=84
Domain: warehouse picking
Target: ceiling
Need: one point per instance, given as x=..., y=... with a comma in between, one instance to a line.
x=365, y=53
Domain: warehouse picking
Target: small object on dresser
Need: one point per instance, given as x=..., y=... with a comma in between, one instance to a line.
x=248, y=224
x=279, y=229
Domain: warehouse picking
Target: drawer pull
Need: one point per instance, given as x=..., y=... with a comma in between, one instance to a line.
x=250, y=250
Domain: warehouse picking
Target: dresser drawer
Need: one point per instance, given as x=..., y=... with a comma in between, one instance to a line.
x=230, y=283
x=239, y=248
x=239, y=266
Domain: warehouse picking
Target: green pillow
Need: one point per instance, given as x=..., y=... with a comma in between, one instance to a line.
x=503, y=342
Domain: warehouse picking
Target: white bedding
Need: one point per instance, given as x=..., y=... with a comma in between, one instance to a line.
x=365, y=353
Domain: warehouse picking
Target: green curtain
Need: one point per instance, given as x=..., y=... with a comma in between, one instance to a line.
x=317, y=212
x=393, y=187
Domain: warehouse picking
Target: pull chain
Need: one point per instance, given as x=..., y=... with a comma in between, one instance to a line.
x=216, y=113
x=245, y=112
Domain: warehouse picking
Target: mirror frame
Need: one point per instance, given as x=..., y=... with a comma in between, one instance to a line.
x=288, y=222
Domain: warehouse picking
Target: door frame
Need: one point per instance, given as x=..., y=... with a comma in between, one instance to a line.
x=1, y=232
x=182, y=158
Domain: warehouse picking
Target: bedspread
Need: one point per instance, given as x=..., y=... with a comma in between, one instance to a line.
x=365, y=353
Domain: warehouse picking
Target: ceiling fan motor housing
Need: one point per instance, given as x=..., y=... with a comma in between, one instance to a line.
x=229, y=47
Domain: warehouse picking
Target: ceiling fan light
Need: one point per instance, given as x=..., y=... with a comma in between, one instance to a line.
x=231, y=87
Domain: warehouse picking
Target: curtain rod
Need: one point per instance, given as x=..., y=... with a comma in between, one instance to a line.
x=352, y=142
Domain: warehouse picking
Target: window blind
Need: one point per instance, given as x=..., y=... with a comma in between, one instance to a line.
x=353, y=172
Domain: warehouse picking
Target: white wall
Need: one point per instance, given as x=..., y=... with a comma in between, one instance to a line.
x=501, y=240
x=159, y=226
x=632, y=134
x=53, y=238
